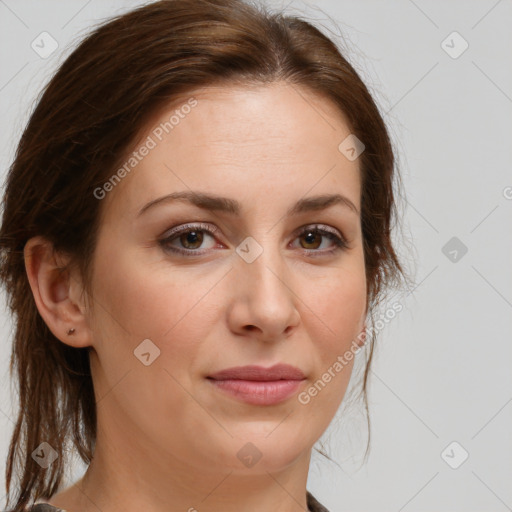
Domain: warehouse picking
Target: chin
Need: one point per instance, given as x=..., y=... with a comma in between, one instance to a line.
x=269, y=451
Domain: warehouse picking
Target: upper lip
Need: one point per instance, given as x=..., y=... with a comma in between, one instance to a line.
x=259, y=373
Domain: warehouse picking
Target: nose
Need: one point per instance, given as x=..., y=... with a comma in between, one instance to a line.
x=263, y=303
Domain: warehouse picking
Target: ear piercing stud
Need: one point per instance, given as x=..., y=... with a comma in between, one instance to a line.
x=71, y=331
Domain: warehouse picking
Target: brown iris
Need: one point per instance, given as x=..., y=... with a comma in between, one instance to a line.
x=309, y=234
x=196, y=236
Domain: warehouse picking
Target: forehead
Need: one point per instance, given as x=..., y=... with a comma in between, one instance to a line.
x=265, y=139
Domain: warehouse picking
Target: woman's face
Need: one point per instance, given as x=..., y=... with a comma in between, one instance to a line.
x=258, y=291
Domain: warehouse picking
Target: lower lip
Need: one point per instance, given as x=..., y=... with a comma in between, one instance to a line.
x=259, y=392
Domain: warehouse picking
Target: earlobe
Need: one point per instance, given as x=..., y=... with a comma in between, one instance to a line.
x=51, y=284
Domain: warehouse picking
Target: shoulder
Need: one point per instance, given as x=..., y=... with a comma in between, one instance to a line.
x=44, y=507
x=313, y=504
x=39, y=507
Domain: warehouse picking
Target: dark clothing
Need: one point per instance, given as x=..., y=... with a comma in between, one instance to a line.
x=313, y=506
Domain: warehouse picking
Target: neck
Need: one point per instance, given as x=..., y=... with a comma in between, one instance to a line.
x=145, y=478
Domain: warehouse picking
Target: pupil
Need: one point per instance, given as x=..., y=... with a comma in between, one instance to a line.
x=310, y=237
x=191, y=238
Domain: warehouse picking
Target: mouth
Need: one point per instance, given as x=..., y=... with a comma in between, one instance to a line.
x=257, y=385
x=258, y=392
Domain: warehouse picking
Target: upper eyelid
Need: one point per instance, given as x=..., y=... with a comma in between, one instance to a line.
x=202, y=226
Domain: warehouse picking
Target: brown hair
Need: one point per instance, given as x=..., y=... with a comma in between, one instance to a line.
x=87, y=118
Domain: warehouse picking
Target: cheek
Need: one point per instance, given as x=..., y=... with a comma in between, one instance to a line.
x=333, y=324
x=173, y=307
x=347, y=309
x=339, y=305
x=155, y=300
x=169, y=306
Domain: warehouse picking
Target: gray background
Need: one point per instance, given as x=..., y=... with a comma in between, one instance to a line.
x=441, y=372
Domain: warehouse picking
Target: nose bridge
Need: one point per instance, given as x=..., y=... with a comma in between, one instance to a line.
x=263, y=283
x=263, y=266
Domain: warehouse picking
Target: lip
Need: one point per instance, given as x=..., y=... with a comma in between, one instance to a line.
x=259, y=373
x=257, y=385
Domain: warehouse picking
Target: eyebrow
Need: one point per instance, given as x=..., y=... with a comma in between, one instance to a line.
x=224, y=204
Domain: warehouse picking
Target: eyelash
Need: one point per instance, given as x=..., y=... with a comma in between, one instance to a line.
x=340, y=242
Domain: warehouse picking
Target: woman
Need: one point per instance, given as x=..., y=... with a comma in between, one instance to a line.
x=192, y=258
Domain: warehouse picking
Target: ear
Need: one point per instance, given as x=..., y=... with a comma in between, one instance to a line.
x=57, y=292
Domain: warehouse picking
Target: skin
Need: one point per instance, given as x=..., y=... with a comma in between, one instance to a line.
x=165, y=434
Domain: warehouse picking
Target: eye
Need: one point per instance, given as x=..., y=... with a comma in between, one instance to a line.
x=191, y=237
x=313, y=236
